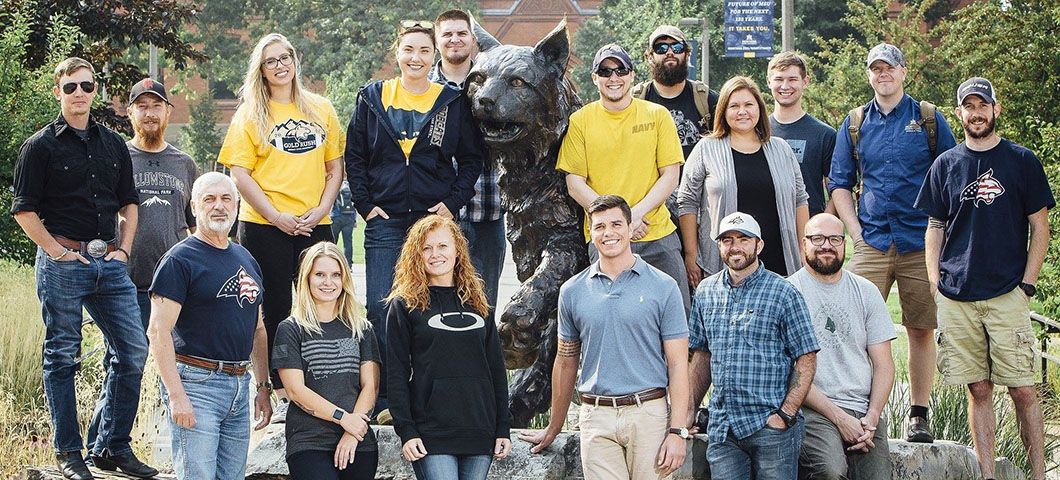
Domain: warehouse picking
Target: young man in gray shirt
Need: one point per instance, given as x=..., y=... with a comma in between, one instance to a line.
x=845, y=434
x=625, y=319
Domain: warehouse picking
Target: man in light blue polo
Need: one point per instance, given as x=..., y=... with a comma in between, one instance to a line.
x=626, y=320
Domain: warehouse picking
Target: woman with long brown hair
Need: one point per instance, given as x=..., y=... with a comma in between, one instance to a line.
x=448, y=386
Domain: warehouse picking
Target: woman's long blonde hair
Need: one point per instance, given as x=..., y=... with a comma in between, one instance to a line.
x=410, y=276
x=303, y=309
x=254, y=94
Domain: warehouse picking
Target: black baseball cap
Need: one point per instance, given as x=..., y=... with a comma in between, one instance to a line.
x=148, y=85
x=976, y=86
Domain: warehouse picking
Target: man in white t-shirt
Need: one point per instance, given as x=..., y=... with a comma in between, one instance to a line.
x=845, y=434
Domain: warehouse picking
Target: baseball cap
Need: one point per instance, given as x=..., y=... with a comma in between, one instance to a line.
x=976, y=86
x=739, y=222
x=666, y=31
x=612, y=50
x=886, y=52
x=148, y=85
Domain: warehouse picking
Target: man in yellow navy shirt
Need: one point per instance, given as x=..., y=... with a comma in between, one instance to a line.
x=624, y=146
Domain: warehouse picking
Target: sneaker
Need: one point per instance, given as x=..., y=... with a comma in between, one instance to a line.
x=279, y=414
x=384, y=418
x=917, y=431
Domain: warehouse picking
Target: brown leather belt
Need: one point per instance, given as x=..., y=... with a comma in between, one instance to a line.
x=625, y=400
x=231, y=368
x=81, y=247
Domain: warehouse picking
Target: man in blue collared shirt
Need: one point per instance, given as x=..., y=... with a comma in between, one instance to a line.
x=752, y=337
x=893, y=157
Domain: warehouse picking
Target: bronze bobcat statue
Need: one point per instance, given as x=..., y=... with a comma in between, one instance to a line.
x=522, y=100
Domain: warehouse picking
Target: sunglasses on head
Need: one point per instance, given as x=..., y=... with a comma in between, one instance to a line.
x=86, y=87
x=677, y=48
x=606, y=72
x=417, y=23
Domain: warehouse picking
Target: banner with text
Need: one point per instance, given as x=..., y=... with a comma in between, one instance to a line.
x=749, y=28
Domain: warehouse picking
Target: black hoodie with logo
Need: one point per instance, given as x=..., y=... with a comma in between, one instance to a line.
x=445, y=376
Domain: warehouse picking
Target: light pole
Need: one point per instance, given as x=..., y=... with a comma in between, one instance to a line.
x=704, y=45
x=787, y=12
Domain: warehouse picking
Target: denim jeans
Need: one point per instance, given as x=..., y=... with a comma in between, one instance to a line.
x=766, y=454
x=216, y=447
x=105, y=290
x=487, y=244
x=452, y=467
x=383, y=238
x=342, y=226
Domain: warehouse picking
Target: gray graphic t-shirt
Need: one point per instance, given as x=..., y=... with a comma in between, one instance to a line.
x=812, y=141
x=331, y=366
x=163, y=181
x=848, y=316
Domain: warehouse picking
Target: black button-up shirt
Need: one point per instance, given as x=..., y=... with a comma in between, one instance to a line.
x=76, y=186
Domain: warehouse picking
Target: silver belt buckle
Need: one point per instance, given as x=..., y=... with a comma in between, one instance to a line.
x=96, y=248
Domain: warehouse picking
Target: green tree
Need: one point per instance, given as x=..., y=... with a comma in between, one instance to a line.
x=201, y=139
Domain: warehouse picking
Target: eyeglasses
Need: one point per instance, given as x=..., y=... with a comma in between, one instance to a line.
x=417, y=23
x=834, y=240
x=607, y=72
x=87, y=87
x=677, y=48
x=272, y=63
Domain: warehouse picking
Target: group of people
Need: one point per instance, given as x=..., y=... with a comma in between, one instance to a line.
x=698, y=205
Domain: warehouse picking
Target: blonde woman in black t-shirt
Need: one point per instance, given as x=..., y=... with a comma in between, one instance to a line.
x=327, y=356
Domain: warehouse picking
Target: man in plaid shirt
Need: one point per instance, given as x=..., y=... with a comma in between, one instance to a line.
x=752, y=336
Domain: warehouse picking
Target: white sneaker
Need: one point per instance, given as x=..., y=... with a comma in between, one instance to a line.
x=279, y=414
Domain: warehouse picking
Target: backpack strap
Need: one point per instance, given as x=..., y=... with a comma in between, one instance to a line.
x=701, y=95
x=857, y=117
x=927, y=120
x=640, y=90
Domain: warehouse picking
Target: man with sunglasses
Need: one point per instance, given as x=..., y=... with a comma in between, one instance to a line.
x=75, y=198
x=625, y=146
x=846, y=436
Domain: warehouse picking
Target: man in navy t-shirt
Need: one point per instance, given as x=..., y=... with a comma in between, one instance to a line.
x=205, y=330
x=982, y=197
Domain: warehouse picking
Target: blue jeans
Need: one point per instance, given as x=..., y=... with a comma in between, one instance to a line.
x=487, y=243
x=216, y=447
x=766, y=454
x=144, y=300
x=105, y=290
x=383, y=238
x=342, y=226
x=452, y=467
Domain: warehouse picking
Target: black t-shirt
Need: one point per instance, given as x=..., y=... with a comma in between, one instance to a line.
x=331, y=365
x=985, y=197
x=219, y=291
x=756, y=196
x=686, y=116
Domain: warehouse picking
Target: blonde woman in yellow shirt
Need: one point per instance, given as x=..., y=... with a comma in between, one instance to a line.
x=284, y=147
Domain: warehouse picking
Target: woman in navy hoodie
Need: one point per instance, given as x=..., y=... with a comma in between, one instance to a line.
x=448, y=386
x=401, y=145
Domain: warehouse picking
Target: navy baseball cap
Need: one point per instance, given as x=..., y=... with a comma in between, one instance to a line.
x=976, y=86
x=612, y=50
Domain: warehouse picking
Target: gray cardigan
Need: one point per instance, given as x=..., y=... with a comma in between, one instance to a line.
x=708, y=189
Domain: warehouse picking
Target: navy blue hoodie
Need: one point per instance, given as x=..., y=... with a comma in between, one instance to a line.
x=380, y=175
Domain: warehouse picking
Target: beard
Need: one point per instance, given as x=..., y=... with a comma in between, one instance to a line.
x=456, y=58
x=219, y=226
x=670, y=75
x=749, y=259
x=988, y=128
x=825, y=267
x=151, y=139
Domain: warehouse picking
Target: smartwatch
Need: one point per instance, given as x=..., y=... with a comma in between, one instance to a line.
x=1028, y=288
x=338, y=414
x=789, y=420
x=681, y=432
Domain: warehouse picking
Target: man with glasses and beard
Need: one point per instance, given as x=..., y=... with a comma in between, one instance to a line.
x=74, y=197
x=983, y=198
x=845, y=434
x=206, y=329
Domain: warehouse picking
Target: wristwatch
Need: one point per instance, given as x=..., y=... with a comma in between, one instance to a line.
x=1028, y=288
x=789, y=420
x=267, y=385
x=681, y=432
x=338, y=414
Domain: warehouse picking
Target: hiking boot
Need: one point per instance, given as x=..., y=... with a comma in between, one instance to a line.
x=279, y=414
x=384, y=418
x=917, y=431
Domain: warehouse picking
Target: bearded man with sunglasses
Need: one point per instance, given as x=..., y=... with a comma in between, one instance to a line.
x=74, y=197
x=625, y=146
x=846, y=435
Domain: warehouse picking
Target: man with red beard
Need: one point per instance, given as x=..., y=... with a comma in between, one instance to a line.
x=981, y=198
x=846, y=437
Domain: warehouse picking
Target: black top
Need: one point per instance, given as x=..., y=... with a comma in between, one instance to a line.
x=446, y=382
x=331, y=366
x=756, y=196
x=684, y=112
x=75, y=185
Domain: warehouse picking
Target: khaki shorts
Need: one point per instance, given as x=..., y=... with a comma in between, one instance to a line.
x=987, y=340
x=909, y=270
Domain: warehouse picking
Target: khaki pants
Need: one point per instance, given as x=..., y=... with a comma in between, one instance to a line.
x=621, y=443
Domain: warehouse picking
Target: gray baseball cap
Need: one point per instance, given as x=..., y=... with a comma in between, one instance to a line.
x=976, y=86
x=666, y=31
x=615, y=51
x=739, y=222
x=886, y=52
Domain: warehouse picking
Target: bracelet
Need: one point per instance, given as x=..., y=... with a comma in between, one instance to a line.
x=60, y=256
x=122, y=250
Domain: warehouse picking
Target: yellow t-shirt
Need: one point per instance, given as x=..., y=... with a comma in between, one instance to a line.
x=407, y=112
x=289, y=164
x=620, y=153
